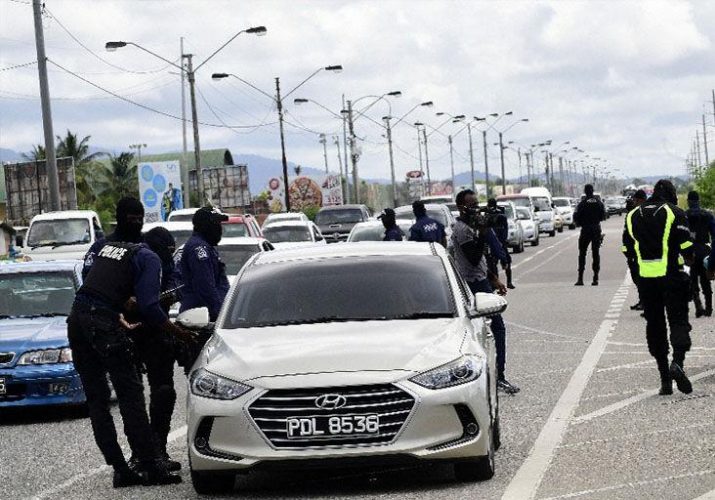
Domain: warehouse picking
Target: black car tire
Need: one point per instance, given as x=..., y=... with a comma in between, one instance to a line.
x=211, y=483
x=478, y=469
x=535, y=243
x=572, y=226
x=561, y=229
x=552, y=233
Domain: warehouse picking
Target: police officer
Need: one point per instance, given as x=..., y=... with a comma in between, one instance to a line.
x=425, y=228
x=470, y=245
x=501, y=229
x=589, y=214
x=702, y=229
x=202, y=272
x=631, y=259
x=98, y=336
x=392, y=230
x=658, y=234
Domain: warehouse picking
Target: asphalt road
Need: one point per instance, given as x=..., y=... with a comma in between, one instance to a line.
x=586, y=424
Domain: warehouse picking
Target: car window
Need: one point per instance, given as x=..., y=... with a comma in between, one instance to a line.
x=343, y=216
x=284, y=234
x=37, y=293
x=235, y=256
x=368, y=233
x=359, y=288
x=235, y=230
x=52, y=232
x=181, y=217
x=562, y=203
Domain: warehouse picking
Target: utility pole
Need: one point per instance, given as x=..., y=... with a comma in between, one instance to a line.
x=353, y=153
x=451, y=159
x=518, y=153
x=345, y=152
x=546, y=164
x=429, y=179
x=284, y=161
x=195, y=121
x=529, y=159
x=501, y=158
x=551, y=170
x=697, y=149
x=419, y=152
x=561, y=175
x=53, y=181
x=471, y=154
x=705, y=143
x=336, y=139
x=486, y=161
x=392, y=160
x=184, y=165
x=324, y=142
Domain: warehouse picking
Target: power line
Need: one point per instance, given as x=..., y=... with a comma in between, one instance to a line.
x=203, y=98
x=18, y=95
x=16, y=66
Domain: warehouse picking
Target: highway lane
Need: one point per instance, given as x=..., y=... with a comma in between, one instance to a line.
x=583, y=426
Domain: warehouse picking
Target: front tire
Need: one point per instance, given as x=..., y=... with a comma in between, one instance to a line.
x=552, y=233
x=561, y=229
x=572, y=226
x=535, y=243
x=210, y=483
x=478, y=469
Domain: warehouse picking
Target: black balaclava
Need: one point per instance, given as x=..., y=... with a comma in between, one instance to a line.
x=162, y=243
x=207, y=222
x=418, y=208
x=388, y=218
x=693, y=199
x=492, y=204
x=588, y=190
x=665, y=190
x=127, y=230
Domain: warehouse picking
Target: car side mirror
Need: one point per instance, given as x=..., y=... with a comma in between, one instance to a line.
x=197, y=318
x=488, y=304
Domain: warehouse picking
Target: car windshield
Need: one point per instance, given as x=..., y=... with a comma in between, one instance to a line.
x=542, y=204
x=523, y=213
x=562, y=203
x=282, y=217
x=235, y=230
x=521, y=202
x=48, y=293
x=235, y=256
x=181, y=217
x=342, y=289
x=345, y=216
x=59, y=231
x=181, y=236
x=368, y=233
x=286, y=234
x=432, y=213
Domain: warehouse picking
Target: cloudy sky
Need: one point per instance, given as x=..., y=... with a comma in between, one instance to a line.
x=626, y=81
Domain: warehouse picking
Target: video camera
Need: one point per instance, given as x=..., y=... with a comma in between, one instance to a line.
x=481, y=217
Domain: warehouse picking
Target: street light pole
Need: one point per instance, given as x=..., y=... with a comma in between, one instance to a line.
x=53, y=181
x=471, y=154
x=195, y=122
x=184, y=167
x=486, y=161
x=451, y=159
x=336, y=140
x=705, y=144
x=324, y=142
x=392, y=160
x=429, y=179
x=353, y=153
x=501, y=157
x=284, y=161
x=345, y=153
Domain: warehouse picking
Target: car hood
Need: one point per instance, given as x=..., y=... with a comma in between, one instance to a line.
x=26, y=334
x=69, y=252
x=410, y=345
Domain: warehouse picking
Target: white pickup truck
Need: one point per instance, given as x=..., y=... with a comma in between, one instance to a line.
x=62, y=235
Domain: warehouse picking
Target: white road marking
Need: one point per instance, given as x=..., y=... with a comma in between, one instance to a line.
x=632, y=435
x=56, y=490
x=710, y=495
x=529, y=329
x=633, y=485
x=546, y=261
x=634, y=399
x=521, y=263
x=527, y=479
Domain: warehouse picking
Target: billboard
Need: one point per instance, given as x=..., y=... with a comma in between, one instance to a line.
x=28, y=192
x=225, y=187
x=305, y=191
x=160, y=189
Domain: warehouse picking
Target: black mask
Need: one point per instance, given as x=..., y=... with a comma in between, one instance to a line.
x=162, y=243
x=130, y=220
x=207, y=223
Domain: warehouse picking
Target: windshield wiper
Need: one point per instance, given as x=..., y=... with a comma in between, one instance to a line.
x=44, y=244
x=423, y=315
x=66, y=243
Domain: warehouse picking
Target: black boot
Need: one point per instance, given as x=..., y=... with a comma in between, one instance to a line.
x=579, y=281
x=666, y=380
x=595, y=280
x=124, y=477
x=156, y=472
x=699, y=312
x=708, y=305
x=678, y=374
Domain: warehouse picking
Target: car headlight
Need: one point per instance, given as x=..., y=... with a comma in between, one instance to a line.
x=460, y=371
x=46, y=357
x=210, y=385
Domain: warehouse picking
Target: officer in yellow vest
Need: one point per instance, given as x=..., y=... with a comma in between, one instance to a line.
x=658, y=235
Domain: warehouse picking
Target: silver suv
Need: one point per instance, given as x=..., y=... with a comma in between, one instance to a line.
x=336, y=222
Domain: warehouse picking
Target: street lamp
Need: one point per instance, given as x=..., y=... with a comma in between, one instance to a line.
x=190, y=72
x=278, y=100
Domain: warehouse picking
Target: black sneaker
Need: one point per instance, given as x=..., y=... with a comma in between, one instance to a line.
x=505, y=386
x=171, y=465
x=594, y=282
x=637, y=307
x=578, y=283
x=699, y=313
x=681, y=379
x=156, y=473
x=708, y=312
x=510, y=285
x=125, y=477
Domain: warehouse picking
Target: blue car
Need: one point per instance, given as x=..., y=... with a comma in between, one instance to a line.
x=35, y=358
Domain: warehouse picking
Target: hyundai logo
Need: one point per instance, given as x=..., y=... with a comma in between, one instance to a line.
x=330, y=401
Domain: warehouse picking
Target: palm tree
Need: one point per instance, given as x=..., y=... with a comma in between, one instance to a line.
x=84, y=163
x=120, y=178
x=37, y=153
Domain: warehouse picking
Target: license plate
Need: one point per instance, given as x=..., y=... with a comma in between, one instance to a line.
x=326, y=426
x=3, y=387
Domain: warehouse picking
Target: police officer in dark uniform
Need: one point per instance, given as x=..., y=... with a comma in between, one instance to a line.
x=659, y=236
x=631, y=259
x=501, y=229
x=392, y=230
x=99, y=337
x=202, y=272
x=589, y=214
x=425, y=228
x=702, y=229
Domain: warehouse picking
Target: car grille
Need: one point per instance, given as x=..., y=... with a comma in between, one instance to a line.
x=392, y=404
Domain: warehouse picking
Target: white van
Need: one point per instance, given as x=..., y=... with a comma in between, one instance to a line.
x=63, y=235
x=543, y=204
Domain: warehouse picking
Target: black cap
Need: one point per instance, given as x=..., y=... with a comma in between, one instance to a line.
x=693, y=196
x=206, y=215
x=388, y=213
x=640, y=195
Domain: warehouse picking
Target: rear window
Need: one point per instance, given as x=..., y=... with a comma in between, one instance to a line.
x=36, y=294
x=235, y=230
x=235, y=256
x=368, y=233
x=432, y=213
x=286, y=234
x=345, y=216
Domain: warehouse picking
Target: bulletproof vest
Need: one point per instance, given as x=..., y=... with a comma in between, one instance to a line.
x=589, y=212
x=111, y=277
x=699, y=223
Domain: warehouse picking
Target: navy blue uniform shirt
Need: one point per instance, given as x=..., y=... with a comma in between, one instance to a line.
x=203, y=275
x=427, y=229
x=393, y=234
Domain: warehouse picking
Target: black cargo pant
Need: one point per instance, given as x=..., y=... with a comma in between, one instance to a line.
x=155, y=351
x=590, y=235
x=100, y=347
x=661, y=296
x=699, y=278
x=635, y=276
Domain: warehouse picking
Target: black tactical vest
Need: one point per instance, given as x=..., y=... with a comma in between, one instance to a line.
x=699, y=223
x=111, y=277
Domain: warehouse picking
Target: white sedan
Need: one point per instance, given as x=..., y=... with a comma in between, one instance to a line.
x=284, y=216
x=291, y=233
x=373, y=353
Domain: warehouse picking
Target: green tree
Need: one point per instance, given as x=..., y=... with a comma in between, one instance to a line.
x=705, y=185
x=119, y=179
x=37, y=153
x=85, y=165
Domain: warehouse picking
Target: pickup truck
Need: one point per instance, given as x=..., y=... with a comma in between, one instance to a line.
x=65, y=235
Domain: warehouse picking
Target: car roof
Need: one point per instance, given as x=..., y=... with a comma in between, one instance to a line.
x=282, y=215
x=38, y=266
x=170, y=225
x=291, y=223
x=65, y=214
x=184, y=211
x=241, y=240
x=342, y=250
x=341, y=207
x=428, y=206
x=512, y=196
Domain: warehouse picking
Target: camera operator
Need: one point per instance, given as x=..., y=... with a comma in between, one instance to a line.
x=471, y=238
x=501, y=229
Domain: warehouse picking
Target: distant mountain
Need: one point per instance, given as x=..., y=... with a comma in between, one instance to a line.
x=262, y=169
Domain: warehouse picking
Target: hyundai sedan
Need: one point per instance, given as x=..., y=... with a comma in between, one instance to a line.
x=343, y=355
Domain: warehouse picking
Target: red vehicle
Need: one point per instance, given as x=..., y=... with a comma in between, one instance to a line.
x=238, y=226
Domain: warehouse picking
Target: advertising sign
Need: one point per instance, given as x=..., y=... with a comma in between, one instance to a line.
x=225, y=186
x=160, y=189
x=305, y=191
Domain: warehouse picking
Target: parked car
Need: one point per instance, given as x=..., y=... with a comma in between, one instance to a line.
x=182, y=215
x=372, y=353
x=373, y=230
x=283, y=216
x=439, y=212
x=616, y=205
x=564, y=206
x=35, y=358
x=336, y=222
x=293, y=233
x=545, y=215
x=529, y=224
x=515, y=236
x=65, y=235
x=241, y=225
x=519, y=200
x=181, y=231
x=439, y=199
